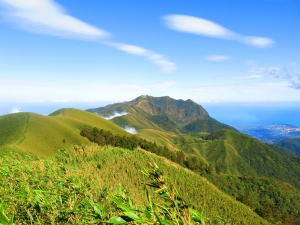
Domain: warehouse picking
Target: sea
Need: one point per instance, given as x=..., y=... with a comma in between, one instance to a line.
x=234, y=114
x=255, y=114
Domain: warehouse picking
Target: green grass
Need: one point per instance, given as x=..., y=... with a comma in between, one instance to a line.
x=67, y=187
x=43, y=135
x=12, y=128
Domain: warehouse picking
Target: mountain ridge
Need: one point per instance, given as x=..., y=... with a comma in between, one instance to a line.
x=174, y=111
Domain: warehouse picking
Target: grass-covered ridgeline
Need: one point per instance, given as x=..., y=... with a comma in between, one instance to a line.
x=76, y=184
x=43, y=135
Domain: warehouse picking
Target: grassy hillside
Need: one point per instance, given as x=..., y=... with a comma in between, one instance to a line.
x=76, y=185
x=291, y=144
x=238, y=154
x=43, y=135
x=204, y=125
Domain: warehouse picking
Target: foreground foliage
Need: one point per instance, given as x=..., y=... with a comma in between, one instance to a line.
x=76, y=186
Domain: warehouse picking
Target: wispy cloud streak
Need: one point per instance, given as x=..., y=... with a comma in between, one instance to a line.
x=200, y=26
x=217, y=58
x=115, y=114
x=159, y=60
x=47, y=17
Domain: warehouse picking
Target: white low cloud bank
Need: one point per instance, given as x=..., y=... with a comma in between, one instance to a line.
x=115, y=114
x=15, y=110
x=200, y=26
x=131, y=130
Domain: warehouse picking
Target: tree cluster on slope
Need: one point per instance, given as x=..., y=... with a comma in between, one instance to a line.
x=104, y=137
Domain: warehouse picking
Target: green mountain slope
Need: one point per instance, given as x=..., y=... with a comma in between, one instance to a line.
x=282, y=150
x=291, y=144
x=76, y=185
x=160, y=118
x=185, y=125
x=160, y=113
x=234, y=153
x=43, y=135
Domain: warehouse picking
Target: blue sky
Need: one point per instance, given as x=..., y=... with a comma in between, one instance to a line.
x=112, y=51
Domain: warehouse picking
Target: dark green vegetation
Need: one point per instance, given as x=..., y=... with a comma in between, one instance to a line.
x=272, y=199
x=282, y=150
x=291, y=144
x=77, y=185
x=263, y=177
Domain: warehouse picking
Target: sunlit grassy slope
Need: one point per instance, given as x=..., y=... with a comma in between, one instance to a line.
x=43, y=135
x=60, y=189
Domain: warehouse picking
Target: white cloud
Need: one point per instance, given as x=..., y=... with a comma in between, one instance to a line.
x=259, y=42
x=217, y=58
x=15, y=110
x=195, y=25
x=161, y=61
x=200, y=26
x=115, y=114
x=45, y=16
x=131, y=130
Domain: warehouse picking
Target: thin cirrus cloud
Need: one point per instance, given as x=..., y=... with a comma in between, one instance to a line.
x=217, y=58
x=47, y=17
x=200, y=26
x=159, y=60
